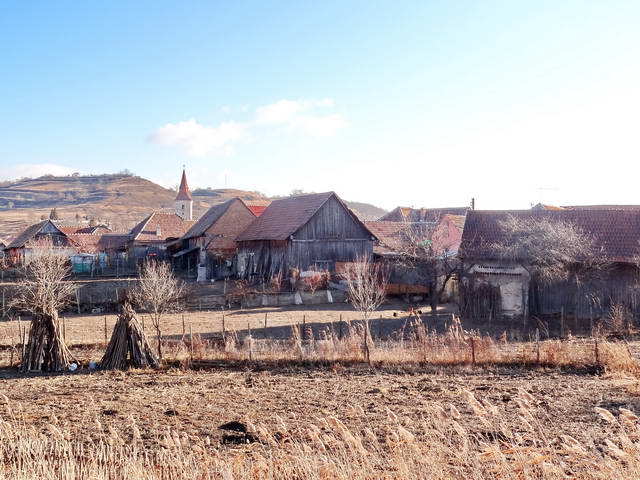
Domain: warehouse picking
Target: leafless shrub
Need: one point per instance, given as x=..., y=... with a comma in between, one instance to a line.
x=158, y=291
x=315, y=281
x=366, y=287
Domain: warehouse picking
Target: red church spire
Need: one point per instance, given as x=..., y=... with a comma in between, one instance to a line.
x=183, y=191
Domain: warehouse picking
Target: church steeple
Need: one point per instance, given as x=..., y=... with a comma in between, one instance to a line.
x=184, y=201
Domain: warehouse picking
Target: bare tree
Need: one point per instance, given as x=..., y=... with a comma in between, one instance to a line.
x=419, y=250
x=44, y=291
x=549, y=249
x=367, y=289
x=158, y=292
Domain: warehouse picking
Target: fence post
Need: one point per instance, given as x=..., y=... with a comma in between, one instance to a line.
x=183, y=326
x=24, y=344
x=597, y=352
x=265, y=324
x=191, y=340
x=224, y=332
x=303, y=333
x=538, y=346
x=562, y=322
x=20, y=335
x=105, y=329
x=249, y=341
x=78, y=299
x=380, y=328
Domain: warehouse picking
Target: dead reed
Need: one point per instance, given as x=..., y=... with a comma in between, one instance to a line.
x=442, y=443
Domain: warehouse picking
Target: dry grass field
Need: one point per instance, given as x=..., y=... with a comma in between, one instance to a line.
x=314, y=409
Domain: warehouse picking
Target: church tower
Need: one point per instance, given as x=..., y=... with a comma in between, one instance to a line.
x=184, y=201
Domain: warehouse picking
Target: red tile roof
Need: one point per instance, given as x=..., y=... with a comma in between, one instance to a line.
x=71, y=229
x=257, y=210
x=169, y=225
x=99, y=242
x=389, y=234
x=406, y=214
x=393, y=237
x=616, y=233
x=183, y=191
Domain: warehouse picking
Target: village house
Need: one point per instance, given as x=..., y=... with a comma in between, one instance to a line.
x=210, y=244
x=314, y=231
x=406, y=214
x=494, y=287
x=158, y=232
x=86, y=246
x=394, y=242
x=22, y=246
x=152, y=237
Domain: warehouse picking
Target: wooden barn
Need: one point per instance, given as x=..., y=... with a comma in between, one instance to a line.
x=493, y=287
x=210, y=244
x=304, y=232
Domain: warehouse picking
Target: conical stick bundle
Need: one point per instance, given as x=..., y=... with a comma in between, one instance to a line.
x=128, y=347
x=45, y=350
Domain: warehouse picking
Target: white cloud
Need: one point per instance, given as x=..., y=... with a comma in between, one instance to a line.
x=199, y=140
x=278, y=113
x=34, y=170
x=298, y=116
x=319, y=125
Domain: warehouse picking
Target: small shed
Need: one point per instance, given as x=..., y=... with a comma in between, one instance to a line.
x=304, y=232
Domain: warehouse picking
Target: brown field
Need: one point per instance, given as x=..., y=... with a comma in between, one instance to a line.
x=421, y=411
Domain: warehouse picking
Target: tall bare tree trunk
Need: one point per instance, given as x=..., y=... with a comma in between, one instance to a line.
x=159, y=335
x=367, y=351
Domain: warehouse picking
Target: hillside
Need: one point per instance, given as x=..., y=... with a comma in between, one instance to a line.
x=119, y=200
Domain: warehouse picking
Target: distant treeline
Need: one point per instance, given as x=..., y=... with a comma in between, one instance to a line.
x=120, y=174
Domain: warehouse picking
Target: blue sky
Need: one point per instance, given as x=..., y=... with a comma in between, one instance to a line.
x=392, y=102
